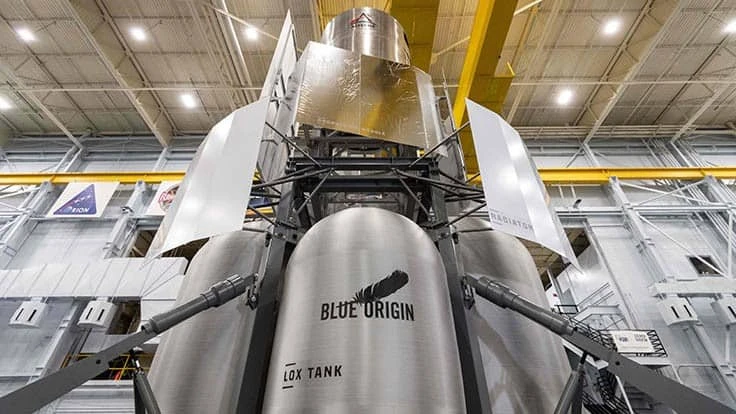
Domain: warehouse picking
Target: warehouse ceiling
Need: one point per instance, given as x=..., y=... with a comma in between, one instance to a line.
x=586, y=69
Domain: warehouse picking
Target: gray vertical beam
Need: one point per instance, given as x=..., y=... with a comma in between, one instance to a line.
x=477, y=400
x=258, y=359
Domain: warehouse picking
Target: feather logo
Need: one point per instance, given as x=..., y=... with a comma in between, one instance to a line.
x=384, y=287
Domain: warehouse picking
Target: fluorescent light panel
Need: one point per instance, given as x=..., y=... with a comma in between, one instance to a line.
x=564, y=97
x=611, y=27
x=5, y=104
x=251, y=33
x=138, y=33
x=188, y=100
x=26, y=34
x=730, y=27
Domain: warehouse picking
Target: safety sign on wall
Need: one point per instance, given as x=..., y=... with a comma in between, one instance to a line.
x=83, y=200
x=163, y=198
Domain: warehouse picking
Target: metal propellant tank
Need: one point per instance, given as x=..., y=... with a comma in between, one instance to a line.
x=368, y=31
x=524, y=364
x=198, y=367
x=365, y=324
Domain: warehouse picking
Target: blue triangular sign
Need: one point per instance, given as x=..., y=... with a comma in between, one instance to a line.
x=83, y=203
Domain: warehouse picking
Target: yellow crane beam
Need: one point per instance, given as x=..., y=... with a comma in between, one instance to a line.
x=549, y=176
x=478, y=80
x=419, y=20
x=151, y=177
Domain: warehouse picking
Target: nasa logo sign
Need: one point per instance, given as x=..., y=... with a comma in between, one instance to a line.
x=166, y=197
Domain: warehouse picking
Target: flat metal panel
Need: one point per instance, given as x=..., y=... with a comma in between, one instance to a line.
x=122, y=277
x=368, y=96
x=7, y=282
x=57, y=278
x=115, y=273
x=94, y=275
x=23, y=283
x=390, y=103
x=517, y=200
x=6, y=279
x=284, y=58
x=214, y=194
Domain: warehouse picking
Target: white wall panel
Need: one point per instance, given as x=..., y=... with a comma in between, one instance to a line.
x=63, y=242
x=24, y=349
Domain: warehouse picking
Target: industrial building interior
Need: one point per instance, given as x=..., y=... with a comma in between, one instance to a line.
x=626, y=109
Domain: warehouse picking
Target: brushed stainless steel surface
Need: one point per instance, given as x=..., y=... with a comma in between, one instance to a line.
x=396, y=363
x=369, y=96
x=368, y=31
x=199, y=364
x=525, y=364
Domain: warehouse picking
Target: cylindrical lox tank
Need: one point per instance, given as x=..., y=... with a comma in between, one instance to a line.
x=365, y=324
x=198, y=367
x=370, y=32
x=525, y=365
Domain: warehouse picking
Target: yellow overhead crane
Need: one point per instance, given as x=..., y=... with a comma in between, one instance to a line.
x=550, y=176
x=478, y=80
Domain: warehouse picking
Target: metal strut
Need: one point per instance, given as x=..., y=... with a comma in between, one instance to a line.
x=675, y=395
x=145, y=400
x=37, y=394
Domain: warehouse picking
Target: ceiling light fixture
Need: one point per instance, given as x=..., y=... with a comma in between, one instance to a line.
x=611, y=27
x=26, y=34
x=5, y=104
x=187, y=99
x=730, y=27
x=251, y=33
x=564, y=97
x=138, y=33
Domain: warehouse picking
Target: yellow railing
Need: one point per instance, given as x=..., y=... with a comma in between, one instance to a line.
x=549, y=175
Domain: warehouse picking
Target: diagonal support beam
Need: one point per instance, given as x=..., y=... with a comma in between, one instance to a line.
x=38, y=103
x=652, y=24
x=419, y=20
x=687, y=126
x=99, y=31
x=478, y=80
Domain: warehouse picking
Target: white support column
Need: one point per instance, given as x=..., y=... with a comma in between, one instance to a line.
x=728, y=375
x=23, y=225
x=125, y=227
x=638, y=230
